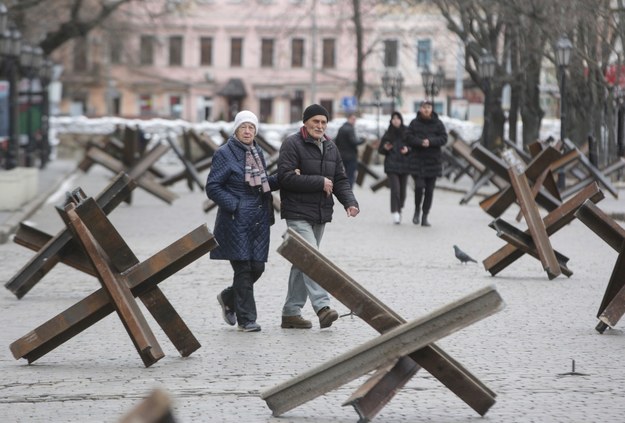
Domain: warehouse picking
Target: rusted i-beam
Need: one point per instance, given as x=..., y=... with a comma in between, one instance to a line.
x=61, y=246
x=382, y=350
x=382, y=318
x=554, y=221
x=142, y=279
x=612, y=305
x=535, y=224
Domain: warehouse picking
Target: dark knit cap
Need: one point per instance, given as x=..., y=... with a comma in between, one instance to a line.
x=314, y=110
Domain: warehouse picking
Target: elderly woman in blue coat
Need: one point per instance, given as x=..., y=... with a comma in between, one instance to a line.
x=241, y=188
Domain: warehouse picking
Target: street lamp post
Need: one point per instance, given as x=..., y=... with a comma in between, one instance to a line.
x=432, y=82
x=563, y=49
x=31, y=59
x=486, y=69
x=45, y=76
x=376, y=96
x=10, y=46
x=392, y=83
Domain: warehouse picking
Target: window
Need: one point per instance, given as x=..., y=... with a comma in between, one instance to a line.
x=115, y=51
x=175, y=50
x=266, y=56
x=297, y=53
x=329, y=55
x=80, y=54
x=390, y=53
x=175, y=106
x=146, y=55
x=266, y=109
x=424, y=53
x=236, y=52
x=206, y=51
x=329, y=106
x=205, y=108
x=145, y=105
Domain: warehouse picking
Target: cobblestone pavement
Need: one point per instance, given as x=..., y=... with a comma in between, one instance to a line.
x=521, y=353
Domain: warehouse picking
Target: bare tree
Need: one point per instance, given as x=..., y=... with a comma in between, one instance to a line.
x=51, y=23
x=480, y=25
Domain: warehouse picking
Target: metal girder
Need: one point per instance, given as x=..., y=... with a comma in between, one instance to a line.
x=612, y=305
x=138, y=171
x=382, y=350
x=141, y=279
x=382, y=318
x=61, y=247
x=535, y=224
x=524, y=242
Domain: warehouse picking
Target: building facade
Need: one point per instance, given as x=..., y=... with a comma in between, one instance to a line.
x=207, y=59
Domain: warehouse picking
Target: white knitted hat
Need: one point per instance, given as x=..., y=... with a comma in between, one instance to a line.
x=245, y=116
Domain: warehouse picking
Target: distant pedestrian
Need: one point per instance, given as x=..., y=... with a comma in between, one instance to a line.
x=239, y=184
x=425, y=136
x=347, y=142
x=396, y=164
x=310, y=171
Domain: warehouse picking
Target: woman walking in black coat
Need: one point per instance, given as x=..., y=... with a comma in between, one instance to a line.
x=239, y=185
x=396, y=165
x=425, y=136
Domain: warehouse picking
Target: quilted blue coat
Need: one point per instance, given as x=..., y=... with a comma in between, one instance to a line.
x=244, y=214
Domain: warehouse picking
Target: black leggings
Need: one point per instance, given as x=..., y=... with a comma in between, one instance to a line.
x=240, y=296
x=397, y=184
x=424, y=190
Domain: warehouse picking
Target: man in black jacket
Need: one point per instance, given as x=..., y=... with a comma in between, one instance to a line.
x=310, y=172
x=425, y=136
x=347, y=143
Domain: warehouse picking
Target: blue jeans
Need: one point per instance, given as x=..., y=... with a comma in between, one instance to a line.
x=301, y=286
x=351, y=168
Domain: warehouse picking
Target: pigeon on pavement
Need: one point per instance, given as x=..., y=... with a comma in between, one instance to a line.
x=462, y=256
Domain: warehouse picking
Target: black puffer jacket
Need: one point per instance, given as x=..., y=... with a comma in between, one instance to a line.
x=394, y=161
x=347, y=142
x=302, y=196
x=426, y=162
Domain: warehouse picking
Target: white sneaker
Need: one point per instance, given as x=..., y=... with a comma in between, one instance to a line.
x=396, y=218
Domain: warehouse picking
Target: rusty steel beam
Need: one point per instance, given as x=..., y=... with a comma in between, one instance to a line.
x=554, y=221
x=524, y=242
x=123, y=259
x=156, y=408
x=382, y=350
x=137, y=172
x=535, y=224
x=190, y=172
x=596, y=173
x=496, y=204
x=60, y=247
x=373, y=395
x=490, y=160
x=612, y=305
x=601, y=224
x=141, y=279
x=70, y=254
x=382, y=318
x=122, y=299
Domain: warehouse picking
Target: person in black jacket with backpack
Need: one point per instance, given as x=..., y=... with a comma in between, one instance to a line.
x=310, y=173
x=425, y=136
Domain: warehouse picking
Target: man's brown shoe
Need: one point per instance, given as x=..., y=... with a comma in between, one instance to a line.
x=326, y=317
x=295, y=322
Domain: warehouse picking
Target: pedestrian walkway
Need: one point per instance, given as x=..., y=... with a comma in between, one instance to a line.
x=49, y=180
x=524, y=353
